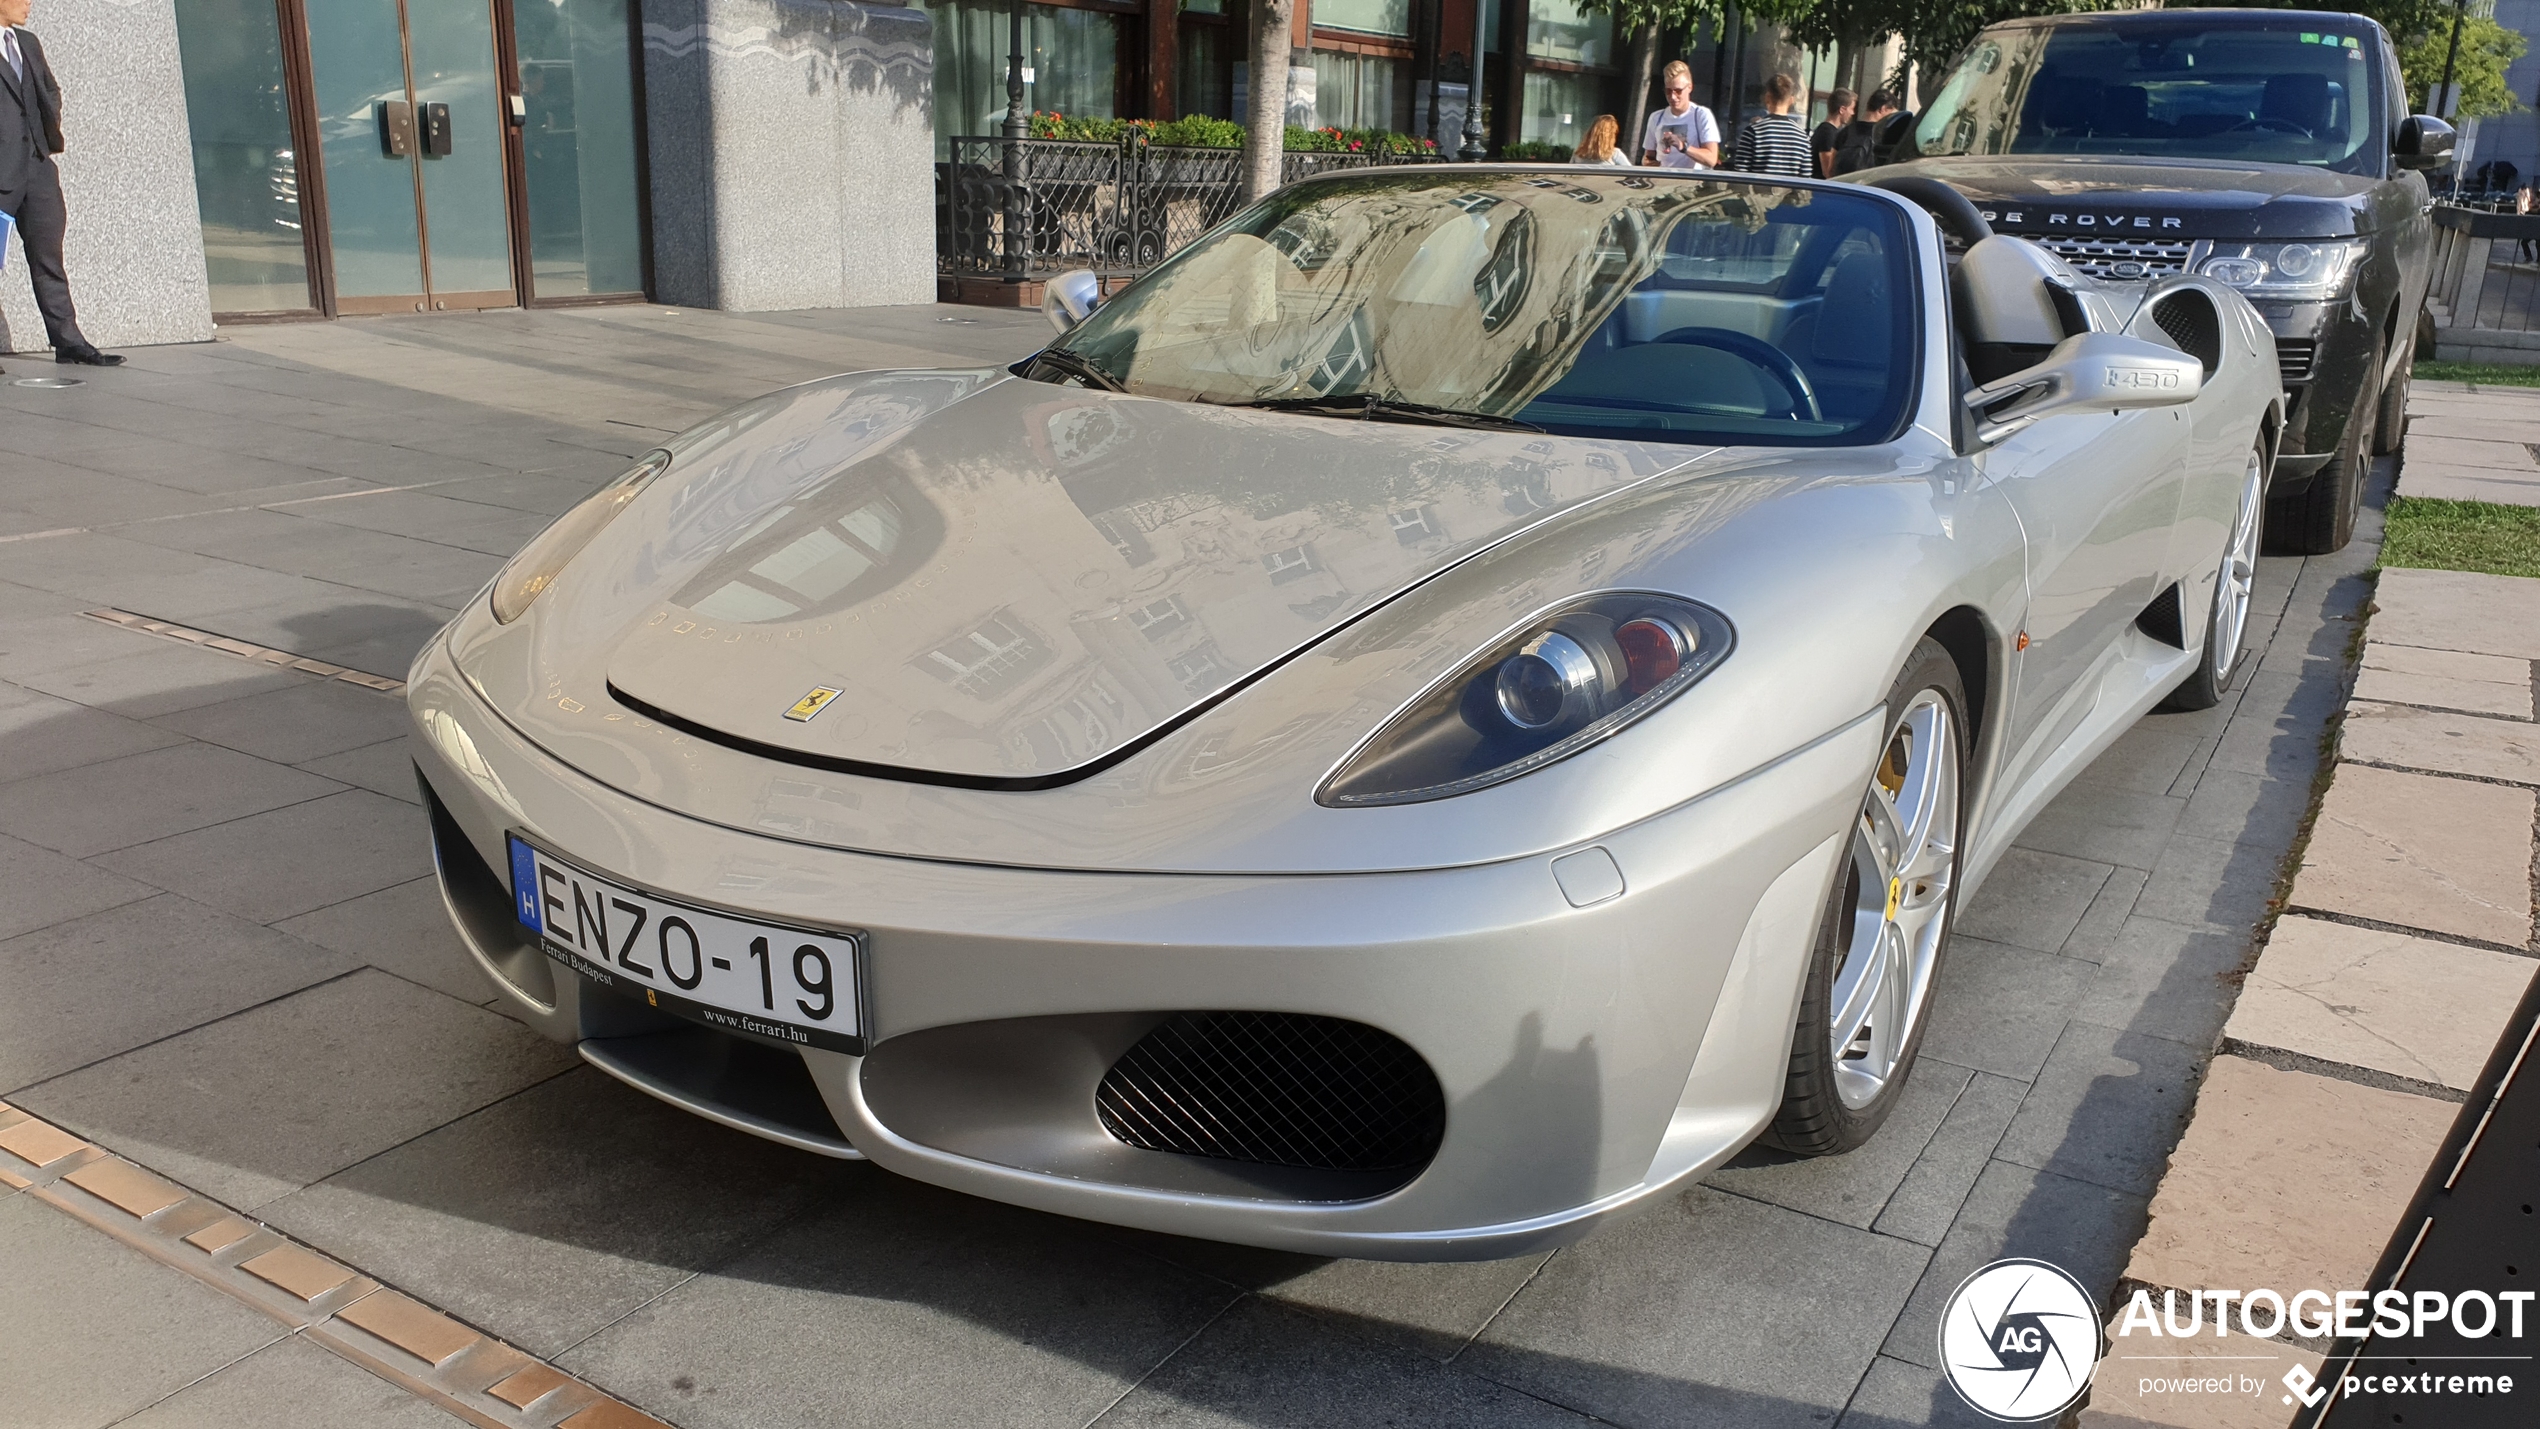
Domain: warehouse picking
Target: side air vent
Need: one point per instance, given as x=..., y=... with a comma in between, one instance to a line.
x=2162, y=619
x=2188, y=318
x=1276, y=1089
x=2293, y=355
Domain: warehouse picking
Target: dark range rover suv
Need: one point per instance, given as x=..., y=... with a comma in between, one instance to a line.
x=2272, y=149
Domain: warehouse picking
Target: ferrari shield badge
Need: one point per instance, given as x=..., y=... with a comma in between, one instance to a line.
x=811, y=704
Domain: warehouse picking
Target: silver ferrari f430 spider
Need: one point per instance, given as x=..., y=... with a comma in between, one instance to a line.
x=1445, y=709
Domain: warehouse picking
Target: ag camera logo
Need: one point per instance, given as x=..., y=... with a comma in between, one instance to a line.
x=2019, y=1339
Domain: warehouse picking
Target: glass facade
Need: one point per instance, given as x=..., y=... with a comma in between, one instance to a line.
x=1560, y=105
x=246, y=172
x=577, y=73
x=1361, y=91
x=1071, y=60
x=1559, y=30
x=1204, y=79
x=1374, y=17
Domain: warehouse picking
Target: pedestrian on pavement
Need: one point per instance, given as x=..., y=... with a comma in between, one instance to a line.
x=1859, y=148
x=1684, y=135
x=1775, y=142
x=1601, y=146
x=30, y=187
x=1825, y=138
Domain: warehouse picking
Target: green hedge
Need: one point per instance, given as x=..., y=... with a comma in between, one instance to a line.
x=1200, y=131
x=1535, y=151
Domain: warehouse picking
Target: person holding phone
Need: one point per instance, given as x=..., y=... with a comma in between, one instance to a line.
x=1684, y=135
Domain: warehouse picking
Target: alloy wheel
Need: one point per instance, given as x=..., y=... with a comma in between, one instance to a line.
x=2238, y=579
x=1904, y=862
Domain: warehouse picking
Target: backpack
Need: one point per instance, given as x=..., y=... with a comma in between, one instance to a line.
x=1856, y=147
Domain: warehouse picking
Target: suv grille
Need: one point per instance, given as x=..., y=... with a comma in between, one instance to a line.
x=2293, y=355
x=1278, y=1089
x=2120, y=258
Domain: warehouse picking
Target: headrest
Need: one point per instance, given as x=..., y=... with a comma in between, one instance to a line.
x=2297, y=98
x=1853, y=321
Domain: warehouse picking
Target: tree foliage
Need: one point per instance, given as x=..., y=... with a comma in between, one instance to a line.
x=2486, y=49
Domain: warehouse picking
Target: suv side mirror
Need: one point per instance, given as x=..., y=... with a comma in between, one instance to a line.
x=1070, y=298
x=2092, y=371
x=1891, y=142
x=2423, y=142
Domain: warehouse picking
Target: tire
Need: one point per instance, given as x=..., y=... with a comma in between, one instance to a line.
x=2320, y=518
x=1881, y=938
x=2235, y=583
x=2390, y=423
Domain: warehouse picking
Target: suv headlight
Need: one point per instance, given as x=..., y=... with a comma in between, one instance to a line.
x=2313, y=272
x=539, y=563
x=1555, y=685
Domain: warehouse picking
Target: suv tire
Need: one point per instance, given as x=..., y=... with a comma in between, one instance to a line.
x=2320, y=518
x=2392, y=426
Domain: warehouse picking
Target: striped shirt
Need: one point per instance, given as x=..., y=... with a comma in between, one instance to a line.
x=1775, y=144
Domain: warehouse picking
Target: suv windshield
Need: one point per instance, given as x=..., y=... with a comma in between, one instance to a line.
x=2299, y=92
x=1612, y=304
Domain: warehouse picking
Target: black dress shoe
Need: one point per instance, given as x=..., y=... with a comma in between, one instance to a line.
x=88, y=357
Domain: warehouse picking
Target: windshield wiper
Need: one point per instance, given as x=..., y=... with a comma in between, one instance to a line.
x=1077, y=367
x=1370, y=407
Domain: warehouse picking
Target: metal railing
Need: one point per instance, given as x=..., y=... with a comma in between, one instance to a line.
x=2485, y=294
x=1029, y=208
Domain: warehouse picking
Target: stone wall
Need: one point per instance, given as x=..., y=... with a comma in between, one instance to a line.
x=792, y=148
x=135, y=249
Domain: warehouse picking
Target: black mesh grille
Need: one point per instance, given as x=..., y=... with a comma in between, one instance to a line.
x=1275, y=1088
x=2189, y=319
x=2293, y=355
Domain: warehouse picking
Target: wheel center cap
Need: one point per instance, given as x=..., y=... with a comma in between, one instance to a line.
x=1895, y=896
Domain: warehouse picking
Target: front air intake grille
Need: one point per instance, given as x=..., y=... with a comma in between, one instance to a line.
x=2293, y=355
x=1276, y=1089
x=2125, y=259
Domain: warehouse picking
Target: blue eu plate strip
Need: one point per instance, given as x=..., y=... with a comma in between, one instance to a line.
x=525, y=887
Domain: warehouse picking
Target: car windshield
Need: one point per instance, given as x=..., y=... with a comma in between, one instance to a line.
x=2291, y=93
x=1619, y=304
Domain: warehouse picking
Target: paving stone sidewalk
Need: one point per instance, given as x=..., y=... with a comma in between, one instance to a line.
x=2473, y=443
x=221, y=956
x=2408, y=942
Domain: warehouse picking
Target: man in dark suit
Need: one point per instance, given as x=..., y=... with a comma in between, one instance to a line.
x=30, y=187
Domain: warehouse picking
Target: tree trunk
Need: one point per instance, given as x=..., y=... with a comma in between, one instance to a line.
x=1266, y=95
x=1637, y=78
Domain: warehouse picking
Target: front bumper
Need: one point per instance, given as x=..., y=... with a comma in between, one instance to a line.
x=1589, y=1057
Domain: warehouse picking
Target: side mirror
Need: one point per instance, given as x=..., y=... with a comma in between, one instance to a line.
x=2423, y=142
x=1071, y=297
x=2096, y=371
x=1892, y=140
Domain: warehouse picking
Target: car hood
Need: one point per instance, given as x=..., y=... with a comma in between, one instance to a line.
x=977, y=580
x=2175, y=198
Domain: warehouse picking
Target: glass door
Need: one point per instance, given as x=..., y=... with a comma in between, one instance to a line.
x=584, y=221
x=410, y=148
x=246, y=168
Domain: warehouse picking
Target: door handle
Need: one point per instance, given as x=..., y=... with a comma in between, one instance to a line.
x=435, y=139
x=396, y=128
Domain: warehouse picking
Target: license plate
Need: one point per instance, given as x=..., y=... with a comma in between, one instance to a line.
x=771, y=980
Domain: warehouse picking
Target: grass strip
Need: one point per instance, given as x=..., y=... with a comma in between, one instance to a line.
x=2477, y=373
x=2429, y=533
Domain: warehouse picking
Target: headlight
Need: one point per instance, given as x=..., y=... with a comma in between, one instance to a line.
x=551, y=550
x=2305, y=272
x=1547, y=690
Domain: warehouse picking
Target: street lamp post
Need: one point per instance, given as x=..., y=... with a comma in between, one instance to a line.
x=1474, y=150
x=1018, y=127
